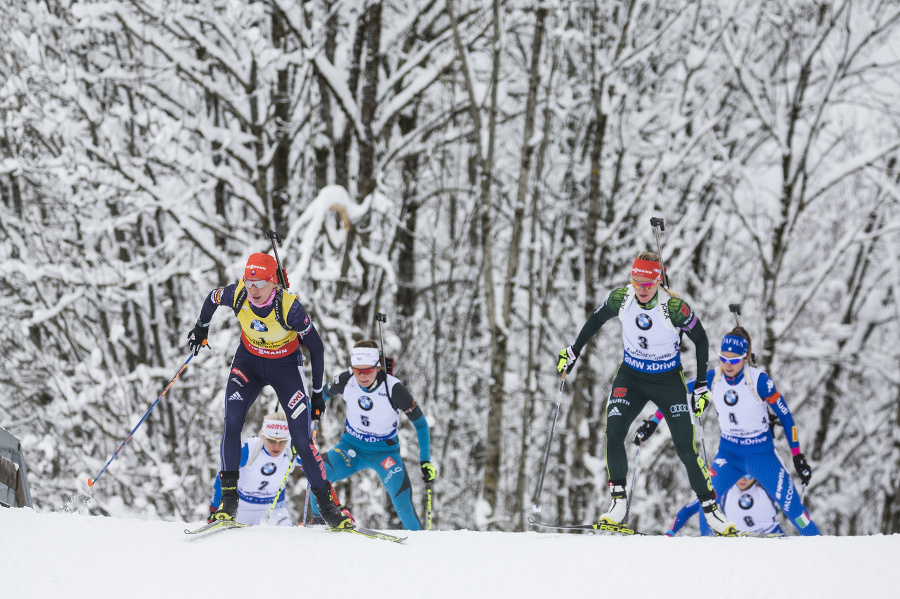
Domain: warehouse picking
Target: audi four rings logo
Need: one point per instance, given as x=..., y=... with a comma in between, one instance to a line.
x=679, y=407
x=643, y=322
x=731, y=397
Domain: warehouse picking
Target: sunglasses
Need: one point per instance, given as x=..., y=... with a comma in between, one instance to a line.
x=644, y=284
x=732, y=361
x=365, y=371
x=276, y=441
x=257, y=284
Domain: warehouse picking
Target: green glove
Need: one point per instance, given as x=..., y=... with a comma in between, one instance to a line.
x=429, y=472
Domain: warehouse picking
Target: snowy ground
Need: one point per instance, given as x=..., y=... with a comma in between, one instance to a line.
x=74, y=557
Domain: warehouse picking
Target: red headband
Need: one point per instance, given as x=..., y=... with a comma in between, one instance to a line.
x=645, y=268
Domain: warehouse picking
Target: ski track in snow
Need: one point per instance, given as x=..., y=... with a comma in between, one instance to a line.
x=80, y=557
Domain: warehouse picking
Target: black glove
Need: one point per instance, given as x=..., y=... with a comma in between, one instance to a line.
x=803, y=469
x=212, y=514
x=197, y=337
x=429, y=472
x=645, y=430
x=566, y=359
x=317, y=405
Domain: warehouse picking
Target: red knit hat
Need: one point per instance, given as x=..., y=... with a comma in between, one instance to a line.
x=261, y=266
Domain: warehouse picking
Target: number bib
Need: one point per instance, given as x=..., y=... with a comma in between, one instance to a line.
x=370, y=415
x=651, y=341
x=741, y=412
x=261, y=476
x=751, y=509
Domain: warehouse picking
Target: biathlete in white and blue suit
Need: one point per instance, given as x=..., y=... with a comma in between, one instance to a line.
x=370, y=439
x=265, y=461
x=742, y=395
x=746, y=504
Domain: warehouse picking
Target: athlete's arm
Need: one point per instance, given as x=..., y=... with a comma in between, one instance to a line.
x=684, y=318
x=217, y=297
x=765, y=387
x=403, y=401
x=299, y=320
x=607, y=310
x=336, y=385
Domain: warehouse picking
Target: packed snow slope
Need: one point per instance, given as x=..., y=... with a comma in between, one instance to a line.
x=90, y=557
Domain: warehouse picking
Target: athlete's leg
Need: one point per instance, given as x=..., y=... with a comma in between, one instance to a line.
x=395, y=477
x=286, y=377
x=724, y=473
x=772, y=475
x=625, y=402
x=242, y=389
x=670, y=396
x=340, y=463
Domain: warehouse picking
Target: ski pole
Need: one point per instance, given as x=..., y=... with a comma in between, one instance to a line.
x=283, y=483
x=92, y=481
x=637, y=463
x=699, y=428
x=429, y=514
x=659, y=224
x=273, y=236
x=382, y=318
x=315, y=425
x=536, y=508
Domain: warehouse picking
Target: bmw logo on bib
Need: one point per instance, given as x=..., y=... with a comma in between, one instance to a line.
x=731, y=397
x=365, y=402
x=746, y=502
x=268, y=468
x=643, y=322
x=257, y=325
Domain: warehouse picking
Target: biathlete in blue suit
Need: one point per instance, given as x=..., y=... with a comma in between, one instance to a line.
x=742, y=395
x=370, y=439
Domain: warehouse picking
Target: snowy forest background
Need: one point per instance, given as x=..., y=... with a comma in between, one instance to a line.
x=483, y=172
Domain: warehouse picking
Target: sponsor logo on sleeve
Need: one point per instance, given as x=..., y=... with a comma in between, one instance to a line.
x=388, y=463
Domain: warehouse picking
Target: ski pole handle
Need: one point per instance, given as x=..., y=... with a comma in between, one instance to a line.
x=273, y=237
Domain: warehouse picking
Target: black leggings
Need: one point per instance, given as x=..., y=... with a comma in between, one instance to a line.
x=630, y=393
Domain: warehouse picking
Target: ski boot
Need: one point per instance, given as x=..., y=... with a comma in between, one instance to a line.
x=619, y=507
x=716, y=518
x=330, y=509
x=228, y=508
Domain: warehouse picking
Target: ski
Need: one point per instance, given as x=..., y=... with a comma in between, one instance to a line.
x=369, y=533
x=214, y=526
x=758, y=535
x=617, y=528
